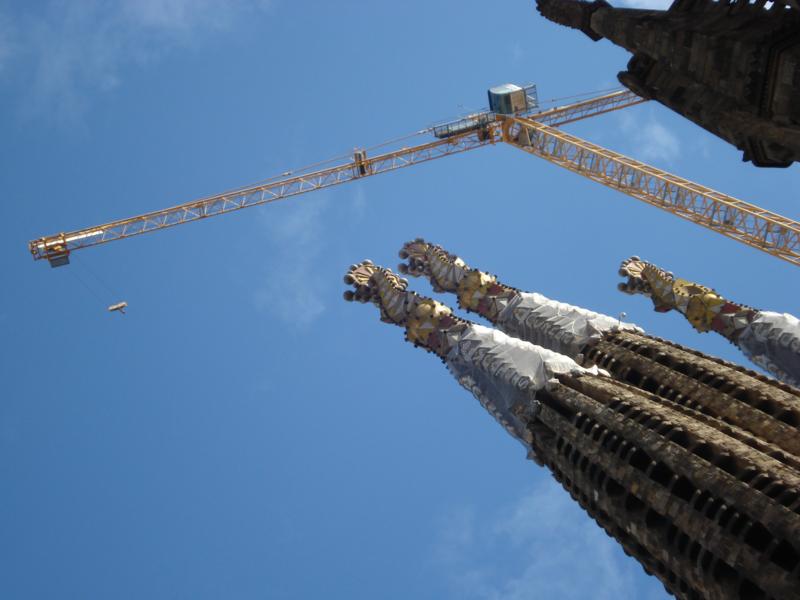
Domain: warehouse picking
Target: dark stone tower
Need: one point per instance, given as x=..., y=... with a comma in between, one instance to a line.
x=731, y=66
x=690, y=463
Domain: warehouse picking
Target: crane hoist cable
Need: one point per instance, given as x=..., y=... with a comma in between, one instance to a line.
x=581, y=95
x=105, y=298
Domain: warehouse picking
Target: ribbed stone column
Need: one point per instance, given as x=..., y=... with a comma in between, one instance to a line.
x=705, y=496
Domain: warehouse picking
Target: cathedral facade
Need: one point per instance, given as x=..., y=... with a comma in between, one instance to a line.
x=691, y=463
x=730, y=66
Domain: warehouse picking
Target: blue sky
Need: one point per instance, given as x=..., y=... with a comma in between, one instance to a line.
x=242, y=432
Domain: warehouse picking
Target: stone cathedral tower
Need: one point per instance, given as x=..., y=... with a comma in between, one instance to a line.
x=731, y=66
x=692, y=464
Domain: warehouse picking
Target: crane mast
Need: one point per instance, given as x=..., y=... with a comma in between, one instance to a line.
x=535, y=133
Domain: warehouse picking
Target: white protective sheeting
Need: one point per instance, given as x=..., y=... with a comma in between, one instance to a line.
x=772, y=341
x=555, y=325
x=503, y=372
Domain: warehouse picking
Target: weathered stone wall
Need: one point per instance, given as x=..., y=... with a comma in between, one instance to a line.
x=730, y=66
x=704, y=511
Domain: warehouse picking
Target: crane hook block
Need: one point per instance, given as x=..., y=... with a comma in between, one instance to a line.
x=58, y=259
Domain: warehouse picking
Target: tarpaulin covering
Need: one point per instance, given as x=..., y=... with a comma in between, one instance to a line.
x=556, y=325
x=502, y=371
x=772, y=341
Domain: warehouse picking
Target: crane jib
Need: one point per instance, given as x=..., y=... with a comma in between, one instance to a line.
x=533, y=132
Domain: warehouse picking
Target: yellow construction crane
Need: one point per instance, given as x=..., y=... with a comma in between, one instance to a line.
x=512, y=118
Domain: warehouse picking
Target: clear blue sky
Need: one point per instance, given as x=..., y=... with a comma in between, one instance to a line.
x=242, y=432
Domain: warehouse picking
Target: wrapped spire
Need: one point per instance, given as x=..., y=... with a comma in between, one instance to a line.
x=502, y=372
x=530, y=316
x=771, y=340
x=690, y=463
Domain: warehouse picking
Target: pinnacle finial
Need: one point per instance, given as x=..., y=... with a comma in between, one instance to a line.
x=572, y=13
x=444, y=270
x=633, y=268
x=427, y=323
x=703, y=307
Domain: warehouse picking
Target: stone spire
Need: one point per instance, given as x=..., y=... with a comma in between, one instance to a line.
x=771, y=340
x=760, y=410
x=710, y=509
x=502, y=372
x=529, y=316
x=731, y=66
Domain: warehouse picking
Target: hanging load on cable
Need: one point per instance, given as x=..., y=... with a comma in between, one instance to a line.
x=119, y=307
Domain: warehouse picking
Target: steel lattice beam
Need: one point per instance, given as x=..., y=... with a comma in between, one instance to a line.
x=588, y=108
x=733, y=218
x=60, y=245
